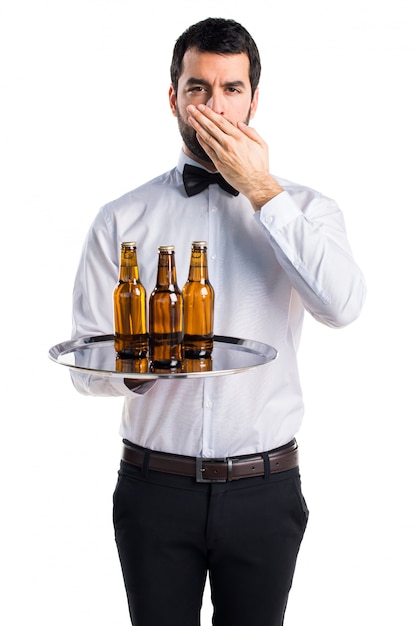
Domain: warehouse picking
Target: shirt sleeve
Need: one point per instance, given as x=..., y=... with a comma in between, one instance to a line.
x=308, y=235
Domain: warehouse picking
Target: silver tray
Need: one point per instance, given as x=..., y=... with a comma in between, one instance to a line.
x=96, y=355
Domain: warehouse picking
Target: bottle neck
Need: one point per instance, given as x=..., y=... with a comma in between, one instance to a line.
x=166, y=274
x=198, y=270
x=128, y=267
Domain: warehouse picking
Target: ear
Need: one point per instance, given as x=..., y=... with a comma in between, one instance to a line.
x=173, y=100
x=254, y=104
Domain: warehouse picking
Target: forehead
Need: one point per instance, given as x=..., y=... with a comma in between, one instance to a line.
x=211, y=66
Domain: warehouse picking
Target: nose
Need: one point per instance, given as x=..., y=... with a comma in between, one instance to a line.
x=215, y=102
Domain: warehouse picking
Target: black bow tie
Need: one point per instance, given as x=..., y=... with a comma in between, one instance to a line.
x=196, y=179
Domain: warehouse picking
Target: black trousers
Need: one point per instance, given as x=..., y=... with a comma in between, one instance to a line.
x=171, y=531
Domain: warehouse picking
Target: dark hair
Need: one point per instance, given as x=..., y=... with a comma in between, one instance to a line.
x=217, y=35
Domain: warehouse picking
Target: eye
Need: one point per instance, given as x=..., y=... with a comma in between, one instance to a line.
x=234, y=89
x=196, y=89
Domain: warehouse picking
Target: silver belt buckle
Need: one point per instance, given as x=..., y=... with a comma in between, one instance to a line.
x=200, y=470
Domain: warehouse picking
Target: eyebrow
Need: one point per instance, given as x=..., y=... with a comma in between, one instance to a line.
x=200, y=81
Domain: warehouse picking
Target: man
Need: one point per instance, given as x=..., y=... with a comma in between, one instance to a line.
x=275, y=249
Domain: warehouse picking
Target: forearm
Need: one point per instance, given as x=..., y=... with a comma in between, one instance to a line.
x=261, y=189
x=313, y=249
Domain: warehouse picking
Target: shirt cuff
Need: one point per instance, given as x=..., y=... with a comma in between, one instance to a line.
x=278, y=212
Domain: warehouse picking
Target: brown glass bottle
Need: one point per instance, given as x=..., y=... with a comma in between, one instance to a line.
x=166, y=315
x=130, y=312
x=199, y=304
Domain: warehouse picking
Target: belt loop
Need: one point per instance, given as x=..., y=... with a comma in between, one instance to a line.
x=266, y=460
x=229, y=471
x=145, y=462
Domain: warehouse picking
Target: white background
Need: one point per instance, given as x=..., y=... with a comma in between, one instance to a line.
x=85, y=118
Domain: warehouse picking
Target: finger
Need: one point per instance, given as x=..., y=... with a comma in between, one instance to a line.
x=209, y=133
x=211, y=121
x=208, y=148
x=204, y=144
x=250, y=132
x=219, y=121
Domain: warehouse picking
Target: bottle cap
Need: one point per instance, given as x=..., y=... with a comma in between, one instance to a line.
x=166, y=248
x=199, y=244
x=128, y=244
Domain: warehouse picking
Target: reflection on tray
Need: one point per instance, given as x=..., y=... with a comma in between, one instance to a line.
x=142, y=366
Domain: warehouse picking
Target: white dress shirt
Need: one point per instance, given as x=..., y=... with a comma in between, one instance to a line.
x=266, y=267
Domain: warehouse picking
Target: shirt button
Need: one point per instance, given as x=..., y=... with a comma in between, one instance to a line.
x=214, y=209
x=209, y=404
x=213, y=257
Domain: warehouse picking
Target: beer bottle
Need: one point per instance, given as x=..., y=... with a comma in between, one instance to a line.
x=129, y=299
x=166, y=315
x=199, y=302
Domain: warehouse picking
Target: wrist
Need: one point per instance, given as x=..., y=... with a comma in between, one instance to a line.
x=262, y=191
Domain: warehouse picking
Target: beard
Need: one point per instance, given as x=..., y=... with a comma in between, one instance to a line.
x=188, y=134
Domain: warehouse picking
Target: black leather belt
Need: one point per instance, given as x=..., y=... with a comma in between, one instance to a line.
x=213, y=470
